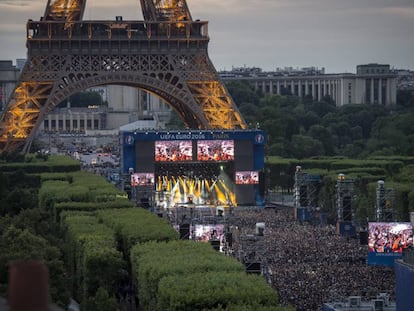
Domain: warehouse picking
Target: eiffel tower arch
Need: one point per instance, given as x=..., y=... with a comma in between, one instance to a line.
x=165, y=54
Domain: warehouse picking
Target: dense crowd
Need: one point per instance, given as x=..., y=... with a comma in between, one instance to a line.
x=309, y=265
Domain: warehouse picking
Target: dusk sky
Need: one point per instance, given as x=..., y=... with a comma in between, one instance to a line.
x=335, y=34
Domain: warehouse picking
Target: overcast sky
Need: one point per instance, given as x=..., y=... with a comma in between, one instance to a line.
x=335, y=34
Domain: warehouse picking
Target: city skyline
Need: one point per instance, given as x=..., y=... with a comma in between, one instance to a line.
x=334, y=34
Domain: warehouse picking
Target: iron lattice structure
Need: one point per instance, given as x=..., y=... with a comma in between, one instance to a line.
x=166, y=54
x=345, y=197
x=306, y=189
x=385, y=203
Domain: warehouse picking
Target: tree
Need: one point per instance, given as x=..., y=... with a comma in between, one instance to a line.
x=18, y=199
x=320, y=133
x=305, y=147
x=405, y=99
x=17, y=244
x=320, y=108
x=102, y=301
x=242, y=92
x=394, y=133
x=84, y=99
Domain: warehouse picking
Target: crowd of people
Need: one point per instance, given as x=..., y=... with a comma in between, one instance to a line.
x=309, y=265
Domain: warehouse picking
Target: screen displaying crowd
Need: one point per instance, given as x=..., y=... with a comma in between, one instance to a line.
x=215, y=150
x=389, y=237
x=182, y=150
x=177, y=150
x=207, y=232
x=247, y=178
x=142, y=179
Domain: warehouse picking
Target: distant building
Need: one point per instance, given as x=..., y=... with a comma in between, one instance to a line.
x=373, y=69
x=9, y=74
x=20, y=62
x=125, y=105
x=405, y=79
x=372, y=84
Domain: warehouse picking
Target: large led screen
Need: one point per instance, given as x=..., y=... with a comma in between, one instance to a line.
x=173, y=151
x=387, y=240
x=142, y=179
x=208, y=232
x=247, y=177
x=215, y=150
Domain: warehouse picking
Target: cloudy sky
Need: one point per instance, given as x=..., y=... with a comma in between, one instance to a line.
x=335, y=34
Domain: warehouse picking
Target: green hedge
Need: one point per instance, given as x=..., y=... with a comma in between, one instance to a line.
x=93, y=260
x=150, y=262
x=52, y=164
x=407, y=160
x=52, y=191
x=90, y=206
x=63, y=176
x=204, y=291
x=137, y=225
x=78, y=187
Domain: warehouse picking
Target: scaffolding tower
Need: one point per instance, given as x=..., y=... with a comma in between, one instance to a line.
x=385, y=203
x=345, y=197
x=306, y=190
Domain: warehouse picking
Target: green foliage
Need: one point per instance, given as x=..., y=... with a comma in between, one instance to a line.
x=198, y=291
x=18, y=191
x=102, y=301
x=136, y=225
x=53, y=164
x=406, y=174
x=36, y=221
x=53, y=191
x=393, y=133
x=18, y=200
x=17, y=244
x=92, y=257
x=78, y=191
x=84, y=99
x=356, y=131
x=62, y=176
x=151, y=262
x=91, y=206
x=304, y=147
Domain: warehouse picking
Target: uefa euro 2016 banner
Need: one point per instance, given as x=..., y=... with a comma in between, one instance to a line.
x=256, y=136
x=387, y=241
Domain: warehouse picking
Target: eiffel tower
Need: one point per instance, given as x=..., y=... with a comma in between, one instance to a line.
x=166, y=54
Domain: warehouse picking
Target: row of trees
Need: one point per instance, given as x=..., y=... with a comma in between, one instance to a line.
x=302, y=128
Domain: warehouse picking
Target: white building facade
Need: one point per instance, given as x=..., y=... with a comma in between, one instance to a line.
x=368, y=86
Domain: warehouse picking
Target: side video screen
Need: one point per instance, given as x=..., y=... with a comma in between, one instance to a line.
x=247, y=178
x=142, y=179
